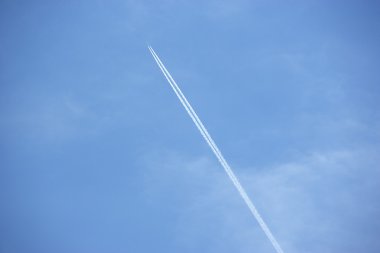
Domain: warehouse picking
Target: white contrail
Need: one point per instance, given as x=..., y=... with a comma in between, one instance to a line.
x=216, y=151
x=187, y=106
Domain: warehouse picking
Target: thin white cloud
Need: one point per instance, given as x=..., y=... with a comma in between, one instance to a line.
x=52, y=119
x=324, y=199
x=227, y=9
x=322, y=202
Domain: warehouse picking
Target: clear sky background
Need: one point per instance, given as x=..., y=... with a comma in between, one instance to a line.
x=97, y=154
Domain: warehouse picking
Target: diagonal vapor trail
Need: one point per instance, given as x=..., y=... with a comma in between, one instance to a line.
x=202, y=129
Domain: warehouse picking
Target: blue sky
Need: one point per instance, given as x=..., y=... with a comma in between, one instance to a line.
x=97, y=154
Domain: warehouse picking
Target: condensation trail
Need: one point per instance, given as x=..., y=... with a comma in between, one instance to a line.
x=216, y=151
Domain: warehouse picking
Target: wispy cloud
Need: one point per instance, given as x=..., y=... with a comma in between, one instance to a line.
x=225, y=9
x=321, y=202
x=52, y=118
